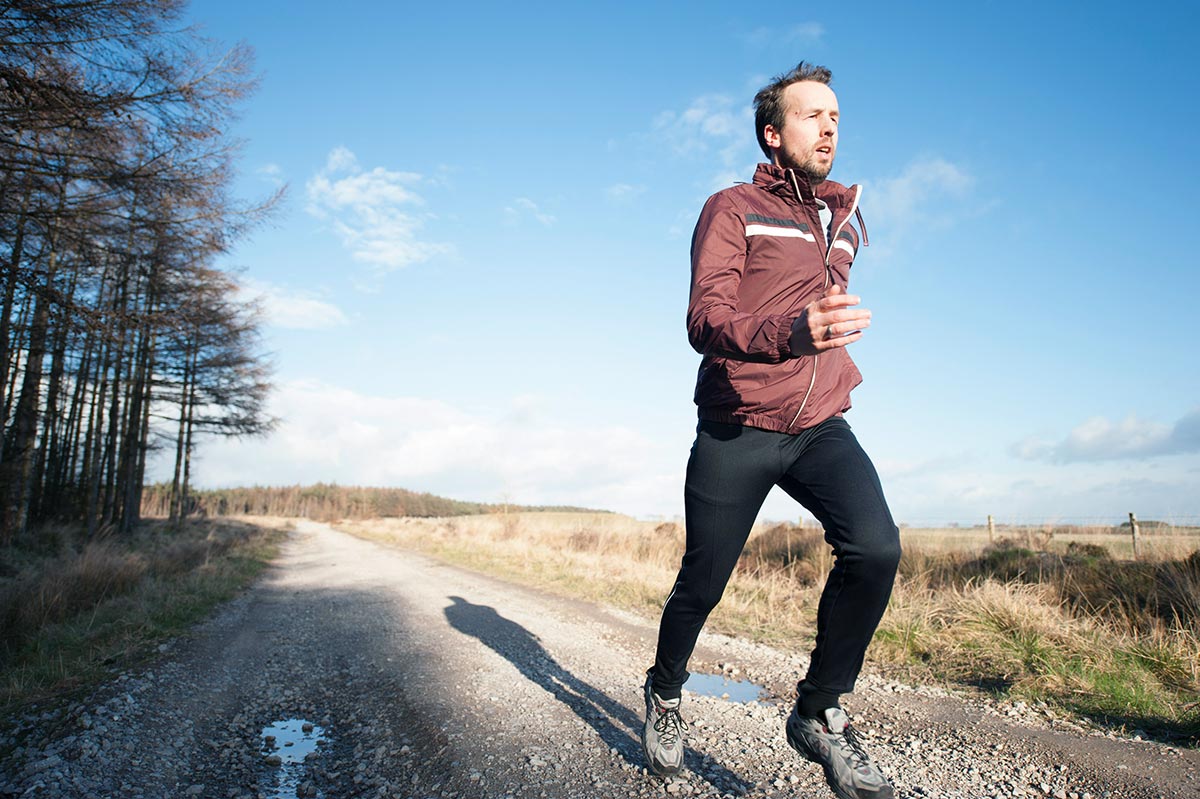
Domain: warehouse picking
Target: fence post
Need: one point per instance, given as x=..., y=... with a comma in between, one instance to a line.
x=1133, y=531
x=991, y=529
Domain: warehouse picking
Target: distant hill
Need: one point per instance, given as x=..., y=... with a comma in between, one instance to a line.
x=325, y=501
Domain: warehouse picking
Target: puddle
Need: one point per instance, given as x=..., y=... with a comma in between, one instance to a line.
x=291, y=741
x=722, y=687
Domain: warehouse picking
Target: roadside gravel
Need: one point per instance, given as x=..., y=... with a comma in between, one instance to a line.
x=422, y=680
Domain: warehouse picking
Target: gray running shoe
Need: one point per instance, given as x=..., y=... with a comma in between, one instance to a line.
x=662, y=737
x=835, y=745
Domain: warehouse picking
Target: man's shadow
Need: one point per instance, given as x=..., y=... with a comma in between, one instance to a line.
x=525, y=651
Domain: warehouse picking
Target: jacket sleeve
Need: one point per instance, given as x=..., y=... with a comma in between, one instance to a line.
x=715, y=325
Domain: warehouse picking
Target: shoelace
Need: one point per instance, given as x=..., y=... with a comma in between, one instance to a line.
x=668, y=725
x=858, y=755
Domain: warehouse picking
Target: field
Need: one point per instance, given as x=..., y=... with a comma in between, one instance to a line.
x=1053, y=614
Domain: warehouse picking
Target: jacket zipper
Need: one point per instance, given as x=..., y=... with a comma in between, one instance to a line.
x=828, y=279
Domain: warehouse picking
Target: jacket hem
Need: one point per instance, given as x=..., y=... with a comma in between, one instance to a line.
x=726, y=416
x=759, y=421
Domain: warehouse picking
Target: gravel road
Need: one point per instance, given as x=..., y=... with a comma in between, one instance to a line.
x=423, y=680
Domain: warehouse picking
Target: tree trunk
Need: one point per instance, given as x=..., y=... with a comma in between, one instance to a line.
x=181, y=439
x=21, y=336
x=110, y=510
x=7, y=347
x=49, y=451
x=67, y=476
x=187, y=446
x=92, y=466
x=134, y=444
x=17, y=469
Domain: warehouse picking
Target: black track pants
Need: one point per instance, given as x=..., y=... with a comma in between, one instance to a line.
x=729, y=474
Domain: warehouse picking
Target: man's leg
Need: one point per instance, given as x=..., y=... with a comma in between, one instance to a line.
x=729, y=473
x=836, y=481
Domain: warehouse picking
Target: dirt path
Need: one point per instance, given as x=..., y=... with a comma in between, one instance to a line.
x=424, y=680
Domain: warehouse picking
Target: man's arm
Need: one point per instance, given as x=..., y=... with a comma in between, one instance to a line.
x=715, y=326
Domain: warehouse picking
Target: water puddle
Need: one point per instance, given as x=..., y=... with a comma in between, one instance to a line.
x=285, y=746
x=722, y=687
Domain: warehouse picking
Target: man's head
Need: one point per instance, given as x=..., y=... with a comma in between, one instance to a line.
x=796, y=119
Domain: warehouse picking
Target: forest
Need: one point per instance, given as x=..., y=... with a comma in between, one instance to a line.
x=119, y=334
x=329, y=502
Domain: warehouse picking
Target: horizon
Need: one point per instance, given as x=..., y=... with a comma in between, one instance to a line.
x=802, y=519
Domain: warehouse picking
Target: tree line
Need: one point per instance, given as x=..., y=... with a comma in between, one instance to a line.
x=325, y=502
x=118, y=335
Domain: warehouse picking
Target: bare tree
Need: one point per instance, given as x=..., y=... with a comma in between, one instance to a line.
x=115, y=167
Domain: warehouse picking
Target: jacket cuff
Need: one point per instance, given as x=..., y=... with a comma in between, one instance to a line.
x=783, y=338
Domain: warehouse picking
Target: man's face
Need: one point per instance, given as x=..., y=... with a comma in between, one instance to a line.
x=808, y=140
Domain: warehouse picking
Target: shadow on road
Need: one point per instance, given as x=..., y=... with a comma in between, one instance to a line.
x=525, y=651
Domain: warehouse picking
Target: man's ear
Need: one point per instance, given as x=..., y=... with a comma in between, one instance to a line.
x=772, y=137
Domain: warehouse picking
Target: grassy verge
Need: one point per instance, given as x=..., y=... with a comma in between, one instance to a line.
x=1116, y=641
x=73, y=612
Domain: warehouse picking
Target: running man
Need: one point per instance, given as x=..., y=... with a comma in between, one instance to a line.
x=770, y=313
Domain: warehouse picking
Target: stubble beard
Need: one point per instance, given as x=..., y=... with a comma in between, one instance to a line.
x=815, y=171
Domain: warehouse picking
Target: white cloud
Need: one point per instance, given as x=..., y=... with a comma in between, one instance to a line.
x=335, y=434
x=710, y=115
x=289, y=308
x=372, y=211
x=623, y=192
x=925, y=184
x=804, y=33
x=711, y=123
x=522, y=207
x=271, y=173
x=928, y=195
x=1099, y=439
x=715, y=134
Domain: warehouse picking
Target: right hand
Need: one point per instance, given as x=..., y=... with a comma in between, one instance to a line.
x=829, y=322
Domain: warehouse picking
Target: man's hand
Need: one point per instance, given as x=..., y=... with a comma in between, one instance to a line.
x=829, y=322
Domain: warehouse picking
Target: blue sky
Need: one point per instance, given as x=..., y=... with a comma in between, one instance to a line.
x=477, y=284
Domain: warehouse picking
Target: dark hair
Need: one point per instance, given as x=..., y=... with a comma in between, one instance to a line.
x=768, y=103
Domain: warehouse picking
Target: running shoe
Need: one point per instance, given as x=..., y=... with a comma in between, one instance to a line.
x=833, y=743
x=662, y=736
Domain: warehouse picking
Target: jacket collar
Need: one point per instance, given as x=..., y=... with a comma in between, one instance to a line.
x=778, y=180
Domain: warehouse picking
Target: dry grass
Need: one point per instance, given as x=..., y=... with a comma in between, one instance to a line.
x=569, y=551
x=1156, y=544
x=1042, y=617
x=72, y=609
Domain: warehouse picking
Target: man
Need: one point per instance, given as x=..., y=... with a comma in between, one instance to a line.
x=770, y=314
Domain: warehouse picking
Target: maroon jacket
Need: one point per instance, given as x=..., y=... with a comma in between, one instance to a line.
x=758, y=258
